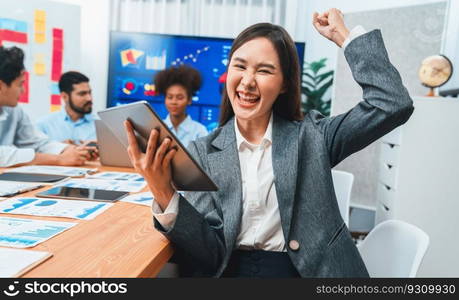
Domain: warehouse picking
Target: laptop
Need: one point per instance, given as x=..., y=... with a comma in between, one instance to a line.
x=111, y=151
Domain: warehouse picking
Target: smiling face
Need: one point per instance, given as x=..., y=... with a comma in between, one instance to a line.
x=254, y=80
x=177, y=100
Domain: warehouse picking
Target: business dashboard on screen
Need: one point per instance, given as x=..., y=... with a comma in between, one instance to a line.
x=135, y=58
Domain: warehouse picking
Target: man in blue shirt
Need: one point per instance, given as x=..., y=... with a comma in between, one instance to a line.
x=20, y=142
x=74, y=123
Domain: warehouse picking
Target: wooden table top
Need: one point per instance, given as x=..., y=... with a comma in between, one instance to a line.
x=120, y=242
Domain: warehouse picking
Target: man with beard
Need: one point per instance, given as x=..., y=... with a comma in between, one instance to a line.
x=74, y=123
x=20, y=142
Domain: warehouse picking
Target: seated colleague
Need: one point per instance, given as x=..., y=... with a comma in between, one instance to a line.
x=20, y=142
x=74, y=124
x=179, y=84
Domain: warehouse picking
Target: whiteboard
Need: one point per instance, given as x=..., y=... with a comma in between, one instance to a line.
x=40, y=22
x=410, y=34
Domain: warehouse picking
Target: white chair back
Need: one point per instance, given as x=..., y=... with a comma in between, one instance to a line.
x=394, y=249
x=342, y=182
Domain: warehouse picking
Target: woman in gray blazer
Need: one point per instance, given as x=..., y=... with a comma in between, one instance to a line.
x=275, y=213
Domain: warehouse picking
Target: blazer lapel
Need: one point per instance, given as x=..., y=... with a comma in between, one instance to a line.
x=225, y=171
x=285, y=167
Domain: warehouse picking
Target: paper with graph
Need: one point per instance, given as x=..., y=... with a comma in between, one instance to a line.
x=83, y=210
x=23, y=233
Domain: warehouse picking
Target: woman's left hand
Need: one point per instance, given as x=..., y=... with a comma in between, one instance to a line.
x=154, y=165
x=331, y=25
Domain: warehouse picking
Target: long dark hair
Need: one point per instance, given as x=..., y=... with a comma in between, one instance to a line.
x=287, y=104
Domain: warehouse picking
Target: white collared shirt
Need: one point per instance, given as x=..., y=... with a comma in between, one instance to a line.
x=260, y=224
x=187, y=131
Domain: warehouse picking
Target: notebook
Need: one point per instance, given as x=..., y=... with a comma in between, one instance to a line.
x=15, y=262
x=30, y=177
x=11, y=188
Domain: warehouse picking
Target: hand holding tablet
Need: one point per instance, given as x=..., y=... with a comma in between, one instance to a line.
x=186, y=174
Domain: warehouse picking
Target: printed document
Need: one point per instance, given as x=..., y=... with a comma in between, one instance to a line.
x=11, y=188
x=117, y=176
x=140, y=198
x=53, y=170
x=109, y=185
x=83, y=210
x=23, y=233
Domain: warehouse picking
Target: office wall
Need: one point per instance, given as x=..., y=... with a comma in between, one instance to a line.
x=451, y=43
x=94, y=36
x=48, y=32
x=410, y=34
x=96, y=17
x=319, y=47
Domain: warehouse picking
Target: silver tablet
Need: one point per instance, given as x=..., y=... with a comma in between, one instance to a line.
x=111, y=151
x=187, y=175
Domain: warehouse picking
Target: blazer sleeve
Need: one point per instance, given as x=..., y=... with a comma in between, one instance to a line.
x=197, y=233
x=386, y=103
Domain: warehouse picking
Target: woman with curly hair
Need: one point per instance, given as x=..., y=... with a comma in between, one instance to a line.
x=178, y=85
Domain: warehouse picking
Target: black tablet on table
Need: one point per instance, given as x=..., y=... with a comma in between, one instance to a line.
x=72, y=193
x=31, y=177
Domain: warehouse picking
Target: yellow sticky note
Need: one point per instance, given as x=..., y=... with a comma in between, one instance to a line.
x=39, y=68
x=40, y=38
x=55, y=108
x=40, y=15
x=40, y=26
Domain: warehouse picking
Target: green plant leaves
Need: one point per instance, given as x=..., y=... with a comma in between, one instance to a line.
x=314, y=86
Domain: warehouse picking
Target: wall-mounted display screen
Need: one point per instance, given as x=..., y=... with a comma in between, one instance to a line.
x=135, y=58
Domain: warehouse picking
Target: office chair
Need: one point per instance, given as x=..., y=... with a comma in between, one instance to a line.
x=394, y=249
x=342, y=182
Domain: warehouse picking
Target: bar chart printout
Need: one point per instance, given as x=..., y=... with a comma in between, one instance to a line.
x=23, y=233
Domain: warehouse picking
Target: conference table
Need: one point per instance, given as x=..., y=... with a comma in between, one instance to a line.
x=120, y=242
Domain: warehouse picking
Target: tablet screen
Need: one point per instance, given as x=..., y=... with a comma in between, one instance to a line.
x=64, y=192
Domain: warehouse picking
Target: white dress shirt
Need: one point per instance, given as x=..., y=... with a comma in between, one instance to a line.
x=260, y=225
x=19, y=139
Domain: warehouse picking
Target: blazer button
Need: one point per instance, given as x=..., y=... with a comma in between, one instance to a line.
x=294, y=245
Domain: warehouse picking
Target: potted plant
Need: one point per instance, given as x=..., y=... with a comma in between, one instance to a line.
x=314, y=85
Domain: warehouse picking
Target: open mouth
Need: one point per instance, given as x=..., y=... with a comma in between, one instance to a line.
x=247, y=100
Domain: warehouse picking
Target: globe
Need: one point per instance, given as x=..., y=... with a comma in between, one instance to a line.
x=435, y=71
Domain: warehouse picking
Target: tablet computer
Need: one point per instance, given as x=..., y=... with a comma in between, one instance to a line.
x=31, y=177
x=187, y=174
x=64, y=192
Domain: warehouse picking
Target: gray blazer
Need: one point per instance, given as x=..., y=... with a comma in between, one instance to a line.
x=303, y=154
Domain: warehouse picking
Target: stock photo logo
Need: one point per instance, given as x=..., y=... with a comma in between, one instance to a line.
x=11, y=290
